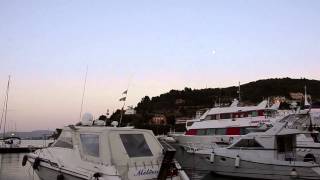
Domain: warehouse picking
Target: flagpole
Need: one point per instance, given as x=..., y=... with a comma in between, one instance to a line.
x=124, y=101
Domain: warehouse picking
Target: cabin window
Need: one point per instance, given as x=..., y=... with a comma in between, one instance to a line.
x=64, y=141
x=254, y=113
x=90, y=144
x=135, y=145
x=191, y=132
x=285, y=143
x=221, y=131
x=261, y=112
x=201, y=132
x=210, y=131
x=243, y=131
x=233, y=131
x=248, y=143
x=225, y=116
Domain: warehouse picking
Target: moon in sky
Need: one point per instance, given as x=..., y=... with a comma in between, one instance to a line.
x=213, y=52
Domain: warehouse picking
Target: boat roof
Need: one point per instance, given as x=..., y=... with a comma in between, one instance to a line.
x=232, y=109
x=100, y=129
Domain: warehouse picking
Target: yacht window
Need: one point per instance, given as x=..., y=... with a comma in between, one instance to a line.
x=90, y=144
x=285, y=143
x=201, y=132
x=247, y=143
x=221, y=131
x=225, y=116
x=135, y=145
x=254, y=113
x=210, y=131
x=243, y=131
x=64, y=140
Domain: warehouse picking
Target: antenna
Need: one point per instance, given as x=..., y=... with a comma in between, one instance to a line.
x=84, y=89
x=239, y=92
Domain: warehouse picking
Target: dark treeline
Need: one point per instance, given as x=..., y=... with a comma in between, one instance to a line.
x=184, y=103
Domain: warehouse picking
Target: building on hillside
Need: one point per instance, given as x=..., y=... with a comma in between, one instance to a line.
x=130, y=111
x=158, y=119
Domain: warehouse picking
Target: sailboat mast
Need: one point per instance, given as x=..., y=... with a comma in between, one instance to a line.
x=6, y=107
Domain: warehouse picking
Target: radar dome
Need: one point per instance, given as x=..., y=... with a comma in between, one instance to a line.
x=87, y=119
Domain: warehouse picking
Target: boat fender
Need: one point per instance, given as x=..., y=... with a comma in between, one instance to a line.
x=24, y=160
x=36, y=163
x=237, y=161
x=212, y=158
x=60, y=177
x=293, y=173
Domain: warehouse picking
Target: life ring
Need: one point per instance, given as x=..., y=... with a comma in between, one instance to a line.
x=36, y=163
x=24, y=160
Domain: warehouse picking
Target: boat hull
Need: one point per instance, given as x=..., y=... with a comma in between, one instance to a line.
x=226, y=166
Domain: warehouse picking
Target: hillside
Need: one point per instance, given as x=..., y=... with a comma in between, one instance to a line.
x=186, y=102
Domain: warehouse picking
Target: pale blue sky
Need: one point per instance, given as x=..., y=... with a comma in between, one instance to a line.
x=157, y=45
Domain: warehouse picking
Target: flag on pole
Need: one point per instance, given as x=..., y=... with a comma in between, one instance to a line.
x=122, y=99
x=125, y=92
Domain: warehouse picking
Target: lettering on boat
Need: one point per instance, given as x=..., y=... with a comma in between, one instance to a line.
x=144, y=172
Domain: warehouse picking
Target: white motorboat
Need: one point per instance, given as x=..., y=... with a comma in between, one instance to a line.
x=266, y=155
x=101, y=153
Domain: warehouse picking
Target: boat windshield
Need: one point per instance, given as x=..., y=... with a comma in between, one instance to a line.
x=135, y=145
x=64, y=140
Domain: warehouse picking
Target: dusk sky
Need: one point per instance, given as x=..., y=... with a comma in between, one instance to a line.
x=153, y=46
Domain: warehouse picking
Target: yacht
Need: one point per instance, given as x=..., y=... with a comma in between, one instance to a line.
x=223, y=125
x=101, y=152
x=264, y=155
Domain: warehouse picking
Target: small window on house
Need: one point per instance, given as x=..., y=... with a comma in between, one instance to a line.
x=90, y=144
x=248, y=143
x=64, y=140
x=135, y=145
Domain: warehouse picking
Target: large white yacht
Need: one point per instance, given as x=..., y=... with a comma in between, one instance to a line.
x=101, y=153
x=264, y=155
x=226, y=124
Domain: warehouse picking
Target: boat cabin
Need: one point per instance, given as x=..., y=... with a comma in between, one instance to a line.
x=278, y=140
x=134, y=152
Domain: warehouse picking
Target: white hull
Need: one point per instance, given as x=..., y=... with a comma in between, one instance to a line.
x=256, y=170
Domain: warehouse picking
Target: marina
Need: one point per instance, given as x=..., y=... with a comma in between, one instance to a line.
x=159, y=90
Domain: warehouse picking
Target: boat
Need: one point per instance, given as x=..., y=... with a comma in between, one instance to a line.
x=7, y=143
x=264, y=155
x=101, y=152
x=223, y=125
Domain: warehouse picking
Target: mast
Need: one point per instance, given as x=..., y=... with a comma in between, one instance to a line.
x=239, y=92
x=6, y=108
x=84, y=89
